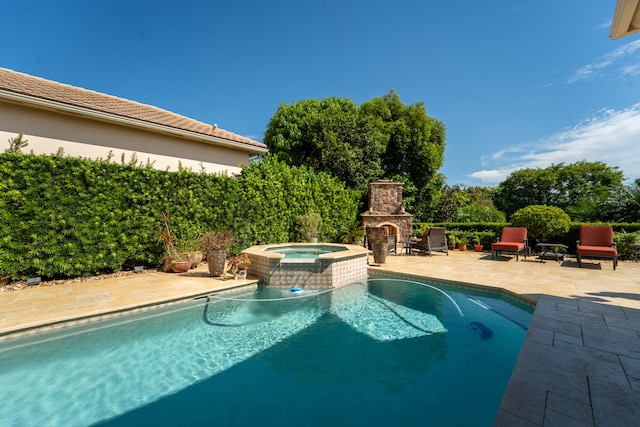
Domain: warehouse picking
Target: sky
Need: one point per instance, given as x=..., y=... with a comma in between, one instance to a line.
x=517, y=83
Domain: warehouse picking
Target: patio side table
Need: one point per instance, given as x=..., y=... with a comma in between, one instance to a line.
x=548, y=250
x=408, y=245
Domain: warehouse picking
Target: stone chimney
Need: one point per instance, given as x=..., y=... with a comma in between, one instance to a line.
x=386, y=209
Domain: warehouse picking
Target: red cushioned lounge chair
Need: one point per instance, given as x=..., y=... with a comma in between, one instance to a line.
x=512, y=239
x=596, y=241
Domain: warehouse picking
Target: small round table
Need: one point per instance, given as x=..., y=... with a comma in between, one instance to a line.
x=408, y=245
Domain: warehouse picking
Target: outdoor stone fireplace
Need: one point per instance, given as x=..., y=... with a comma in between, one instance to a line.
x=386, y=209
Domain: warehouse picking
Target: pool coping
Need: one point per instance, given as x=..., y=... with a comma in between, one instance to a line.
x=14, y=334
x=352, y=250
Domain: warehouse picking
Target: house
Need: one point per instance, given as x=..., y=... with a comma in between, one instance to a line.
x=85, y=123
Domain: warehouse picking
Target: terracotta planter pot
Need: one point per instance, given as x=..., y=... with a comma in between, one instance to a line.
x=180, y=266
x=462, y=247
x=216, y=261
x=478, y=248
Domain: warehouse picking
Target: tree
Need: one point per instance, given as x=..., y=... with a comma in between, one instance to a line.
x=447, y=204
x=623, y=205
x=381, y=139
x=578, y=188
x=477, y=206
x=330, y=136
x=475, y=212
x=17, y=143
x=415, y=148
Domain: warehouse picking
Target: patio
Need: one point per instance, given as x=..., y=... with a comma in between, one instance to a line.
x=579, y=365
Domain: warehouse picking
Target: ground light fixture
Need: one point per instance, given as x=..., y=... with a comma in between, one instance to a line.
x=32, y=281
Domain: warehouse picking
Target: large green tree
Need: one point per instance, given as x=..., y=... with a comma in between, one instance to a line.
x=383, y=138
x=623, y=205
x=330, y=135
x=578, y=188
x=414, y=151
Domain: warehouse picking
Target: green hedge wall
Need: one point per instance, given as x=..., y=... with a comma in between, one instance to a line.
x=66, y=217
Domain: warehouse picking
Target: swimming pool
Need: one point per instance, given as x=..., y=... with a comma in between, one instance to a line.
x=385, y=352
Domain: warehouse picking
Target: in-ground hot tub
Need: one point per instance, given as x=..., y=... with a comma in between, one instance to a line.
x=308, y=265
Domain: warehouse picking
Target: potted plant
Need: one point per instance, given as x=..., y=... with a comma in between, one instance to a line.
x=172, y=260
x=379, y=241
x=238, y=266
x=477, y=244
x=452, y=241
x=216, y=244
x=309, y=226
x=462, y=243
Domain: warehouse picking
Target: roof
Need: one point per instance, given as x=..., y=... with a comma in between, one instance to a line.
x=30, y=88
x=626, y=19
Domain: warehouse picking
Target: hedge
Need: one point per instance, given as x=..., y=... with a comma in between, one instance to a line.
x=64, y=217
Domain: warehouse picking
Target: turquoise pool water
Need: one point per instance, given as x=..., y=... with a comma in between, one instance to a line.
x=388, y=352
x=301, y=251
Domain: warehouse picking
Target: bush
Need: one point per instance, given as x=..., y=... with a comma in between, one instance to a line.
x=485, y=237
x=625, y=242
x=542, y=221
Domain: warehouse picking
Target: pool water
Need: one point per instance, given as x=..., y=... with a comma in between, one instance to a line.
x=388, y=352
x=305, y=252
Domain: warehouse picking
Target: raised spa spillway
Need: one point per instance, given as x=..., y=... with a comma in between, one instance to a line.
x=308, y=265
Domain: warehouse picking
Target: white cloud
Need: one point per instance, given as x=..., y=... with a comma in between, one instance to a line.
x=604, y=25
x=631, y=71
x=611, y=137
x=592, y=70
x=494, y=176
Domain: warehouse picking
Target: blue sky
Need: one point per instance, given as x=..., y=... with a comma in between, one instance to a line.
x=518, y=83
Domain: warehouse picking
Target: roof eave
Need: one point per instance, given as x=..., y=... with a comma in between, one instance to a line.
x=625, y=19
x=46, y=104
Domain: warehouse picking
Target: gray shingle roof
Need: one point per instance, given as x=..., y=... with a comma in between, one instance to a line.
x=36, y=87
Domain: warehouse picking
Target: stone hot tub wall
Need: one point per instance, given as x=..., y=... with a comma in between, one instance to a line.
x=330, y=270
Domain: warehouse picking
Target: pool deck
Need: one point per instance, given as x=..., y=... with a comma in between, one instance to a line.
x=579, y=364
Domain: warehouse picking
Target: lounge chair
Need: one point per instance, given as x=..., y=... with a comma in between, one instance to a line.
x=433, y=240
x=512, y=239
x=596, y=241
